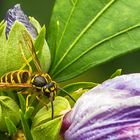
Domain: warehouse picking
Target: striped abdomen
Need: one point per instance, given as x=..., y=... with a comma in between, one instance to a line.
x=18, y=77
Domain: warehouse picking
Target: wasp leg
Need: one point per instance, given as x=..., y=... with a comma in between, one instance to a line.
x=27, y=102
x=27, y=98
x=40, y=100
x=24, y=57
x=23, y=92
x=52, y=106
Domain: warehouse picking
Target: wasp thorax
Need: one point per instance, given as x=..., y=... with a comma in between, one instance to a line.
x=39, y=81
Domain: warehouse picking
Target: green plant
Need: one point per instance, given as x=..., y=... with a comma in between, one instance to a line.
x=81, y=35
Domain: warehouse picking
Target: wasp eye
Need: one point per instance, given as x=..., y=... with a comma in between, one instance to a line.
x=39, y=81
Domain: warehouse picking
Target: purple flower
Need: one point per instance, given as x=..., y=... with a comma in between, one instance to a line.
x=16, y=13
x=110, y=111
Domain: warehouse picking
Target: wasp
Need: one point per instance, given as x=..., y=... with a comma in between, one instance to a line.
x=28, y=81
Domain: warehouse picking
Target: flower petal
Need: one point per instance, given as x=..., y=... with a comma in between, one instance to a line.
x=16, y=13
x=107, y=112
x=129, y=82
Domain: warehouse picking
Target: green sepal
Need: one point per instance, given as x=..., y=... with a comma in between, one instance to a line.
x=76, y=94
x=29, y=112
x=39, y=42
x=118, y=72
x=8, y=108
x=10, y=126
x=41, y=45
x=25, y=126
x=3, y=45
x=44, y=52
x=42, y=122
x=1, y=23
x=75, y=86
x=35, y=23
x=48, y=131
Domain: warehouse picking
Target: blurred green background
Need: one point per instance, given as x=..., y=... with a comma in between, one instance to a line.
x=41, y=10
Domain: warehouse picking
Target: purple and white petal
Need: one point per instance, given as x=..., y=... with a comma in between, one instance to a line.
x=129, y=82
x=107, y=112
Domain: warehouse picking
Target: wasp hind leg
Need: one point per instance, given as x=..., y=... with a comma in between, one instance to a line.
x=27, y=97
x=27, y=102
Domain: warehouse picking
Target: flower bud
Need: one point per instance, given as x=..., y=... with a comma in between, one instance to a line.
x=16, y=13
x=16, y=33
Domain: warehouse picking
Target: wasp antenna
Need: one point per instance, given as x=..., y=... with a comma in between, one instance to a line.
x=67, y=94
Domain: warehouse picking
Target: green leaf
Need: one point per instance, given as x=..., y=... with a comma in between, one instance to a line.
x=10, y=126
x=43, y=127
x=22, y=103
x=8, y=108
x=85, y=38
x=25, y=127
x=76, y=86
x=116, y=73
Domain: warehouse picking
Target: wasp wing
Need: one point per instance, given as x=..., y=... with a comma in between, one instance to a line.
x=29, y=42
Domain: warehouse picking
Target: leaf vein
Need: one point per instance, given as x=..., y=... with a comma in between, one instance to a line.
x=97, y=44
x=83, y=32
x=65, y=27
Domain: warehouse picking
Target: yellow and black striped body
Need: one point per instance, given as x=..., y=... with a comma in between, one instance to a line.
x=16, y=77
x=40, y=82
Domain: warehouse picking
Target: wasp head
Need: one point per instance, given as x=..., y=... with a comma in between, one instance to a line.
x=50, y=89
x=44, y=84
